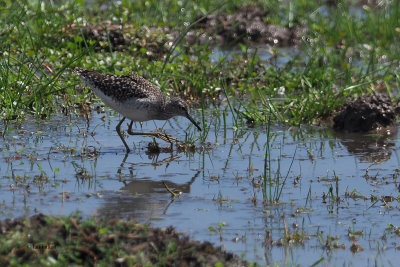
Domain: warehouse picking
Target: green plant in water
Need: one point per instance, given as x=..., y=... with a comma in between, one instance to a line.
x=273, y=186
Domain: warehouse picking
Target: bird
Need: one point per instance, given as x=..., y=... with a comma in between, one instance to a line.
x=136, y=99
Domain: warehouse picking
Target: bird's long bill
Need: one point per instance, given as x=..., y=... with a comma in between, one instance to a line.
x=193, y=121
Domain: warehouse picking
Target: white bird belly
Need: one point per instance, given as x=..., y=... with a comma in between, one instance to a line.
x=133, y=109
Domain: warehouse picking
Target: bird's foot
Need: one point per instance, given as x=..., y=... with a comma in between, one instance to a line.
x=163, y=136
x=166, y=137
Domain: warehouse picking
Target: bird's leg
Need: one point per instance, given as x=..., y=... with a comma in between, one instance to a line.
x=118, y=128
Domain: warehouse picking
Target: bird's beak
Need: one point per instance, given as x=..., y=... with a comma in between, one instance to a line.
x=193, y=121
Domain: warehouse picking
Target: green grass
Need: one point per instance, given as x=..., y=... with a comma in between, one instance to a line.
x=348, y=51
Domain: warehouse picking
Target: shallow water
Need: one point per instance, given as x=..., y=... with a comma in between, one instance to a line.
x=45, y=168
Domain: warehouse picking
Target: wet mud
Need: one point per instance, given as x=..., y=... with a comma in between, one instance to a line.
x=149, y=41
x=106, y=32
x=370, y=112
x=246, y=25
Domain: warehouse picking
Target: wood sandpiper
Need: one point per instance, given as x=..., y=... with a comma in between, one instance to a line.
x=136, y=99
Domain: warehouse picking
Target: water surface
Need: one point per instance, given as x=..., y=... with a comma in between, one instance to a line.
x=67, y=164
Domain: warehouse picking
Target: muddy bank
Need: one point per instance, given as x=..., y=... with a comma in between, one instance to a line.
x=71, y=241
x=106, y=36
x=370, y=112
x=246, y=25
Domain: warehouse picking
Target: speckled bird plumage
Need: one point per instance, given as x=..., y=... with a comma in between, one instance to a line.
x=134, y=97
x=120, y=87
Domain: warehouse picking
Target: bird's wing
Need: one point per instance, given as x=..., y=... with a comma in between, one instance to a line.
x=120, y=87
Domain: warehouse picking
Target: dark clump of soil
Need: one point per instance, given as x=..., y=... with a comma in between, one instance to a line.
x=366, y=113
x=245, y=25
x=70, y=241
x=149, y=41
x=104, y=34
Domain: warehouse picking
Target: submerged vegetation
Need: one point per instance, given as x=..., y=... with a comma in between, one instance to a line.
x=338, y=54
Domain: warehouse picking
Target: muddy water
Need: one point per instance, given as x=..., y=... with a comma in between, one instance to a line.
x=65, y=165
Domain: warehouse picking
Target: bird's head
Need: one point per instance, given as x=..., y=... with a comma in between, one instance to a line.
x=176, y=106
